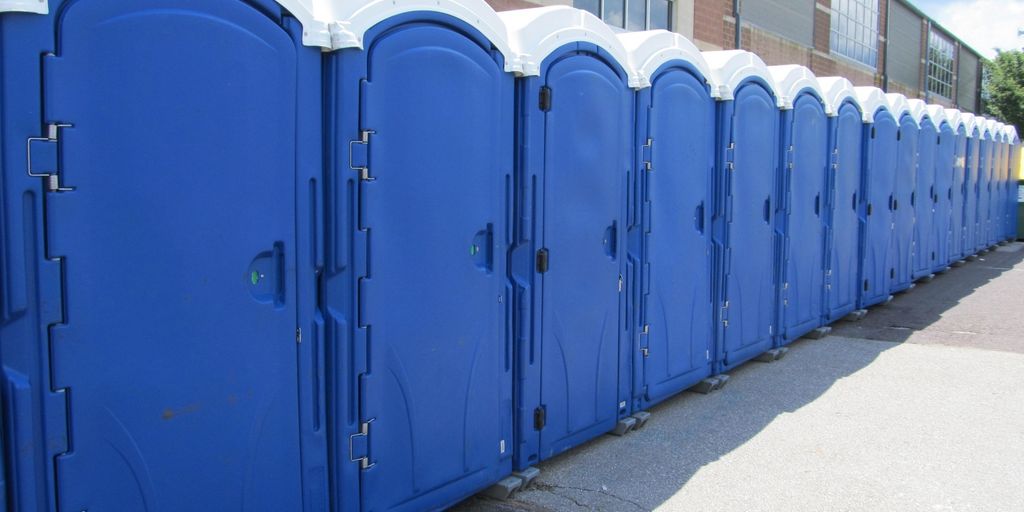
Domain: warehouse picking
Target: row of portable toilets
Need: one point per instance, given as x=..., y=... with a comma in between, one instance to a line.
x=339, y=255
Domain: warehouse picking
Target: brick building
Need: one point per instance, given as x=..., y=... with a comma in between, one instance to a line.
x=887, y=43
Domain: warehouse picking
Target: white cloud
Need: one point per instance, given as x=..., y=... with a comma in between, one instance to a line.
x=983, y=24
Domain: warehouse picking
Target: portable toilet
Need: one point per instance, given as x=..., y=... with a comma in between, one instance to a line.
x=971, y=180
x=955, y=119
x=153, y=318
x=945, y=169
x=846, y=135
x=429, y=349
x=805, y=158
x=904, y=191
x=994, y=183
x=745, y=220
x=1009, y=186
x=1000, y=187
x=923, y=199
x=675, y=152
x=1016, y=181
x=575, y=128
x=986, y=154
x=1013, y=194
x=877, y=185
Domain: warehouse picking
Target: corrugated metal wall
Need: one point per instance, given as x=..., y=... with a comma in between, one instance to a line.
x=792, y=19
x=904, y=59
x=967, y=81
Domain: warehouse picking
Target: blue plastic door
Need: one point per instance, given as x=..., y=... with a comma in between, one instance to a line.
x=984, y=175
x=588, y=144
x=878, y=184
x=945, y=157
x=902, y=205
x=843, y=260
x=802, y=286
x=956, y=206
x=971, y=193
x=999, y=180
x=924, y=200
x=178, y=349
x=750, y=208
x=677, y=309
x=436, y=395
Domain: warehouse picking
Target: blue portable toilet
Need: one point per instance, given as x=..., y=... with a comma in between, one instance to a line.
x=990, y=194
x=569, y=264
x=746, y=218
x=904, y=192
x=985, y=155
x=1015, y=175
x=971, y=178
x=675, y=157
x=999, y=186
x=149, y=326
x=1009, y=186
x=877, y=185
x=945, y=169
x=955, y=119
x=805, y=158
x=923, y=199
x=846, y=135
x=421, y=109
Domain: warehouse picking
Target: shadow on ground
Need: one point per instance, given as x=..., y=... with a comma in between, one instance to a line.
x=946, y=306
x=645, y=468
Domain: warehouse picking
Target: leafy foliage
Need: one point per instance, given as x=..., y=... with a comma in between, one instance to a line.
x=1004, y=88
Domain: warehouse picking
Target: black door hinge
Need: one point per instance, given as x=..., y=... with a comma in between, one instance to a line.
x=539, y=417
x=545, y=99
x=542, y=261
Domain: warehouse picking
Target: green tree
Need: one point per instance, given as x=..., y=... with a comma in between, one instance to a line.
x=1004, y=88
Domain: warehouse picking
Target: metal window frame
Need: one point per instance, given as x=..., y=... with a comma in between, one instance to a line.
x=940, y=61
x=647, y=14
x=855, y=46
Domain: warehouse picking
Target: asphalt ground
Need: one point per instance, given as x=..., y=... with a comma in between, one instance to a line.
x=920, y=406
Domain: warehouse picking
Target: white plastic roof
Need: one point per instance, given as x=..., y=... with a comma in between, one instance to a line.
x=999, y=131
x=836, y=90
x=351, y=19
x=533, y=34
x=790, y=80
x=871, y=99
x=731, y=67
x=992, y=126
x=938, y=115
x=919, y=110
x=954, y=117
x=970, y=122
x=981, y=123
x=1012, y=131
x=30, y=6
x=898, y=105
x=336, y=24
x=648, y=50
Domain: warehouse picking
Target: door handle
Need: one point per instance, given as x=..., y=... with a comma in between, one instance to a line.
x=482, y=249
x=266, y=276
x=699, y=218
x=610, y=241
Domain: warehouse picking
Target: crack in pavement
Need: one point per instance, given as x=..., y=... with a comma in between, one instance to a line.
x=549, y=488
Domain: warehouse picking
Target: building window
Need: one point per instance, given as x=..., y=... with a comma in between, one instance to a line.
x=940, y=65
x=854, y=30
x=630, y=14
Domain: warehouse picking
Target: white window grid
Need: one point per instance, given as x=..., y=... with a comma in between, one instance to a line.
x=853, y=32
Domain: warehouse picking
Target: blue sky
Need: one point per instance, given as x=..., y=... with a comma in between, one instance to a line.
x=983, y=24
